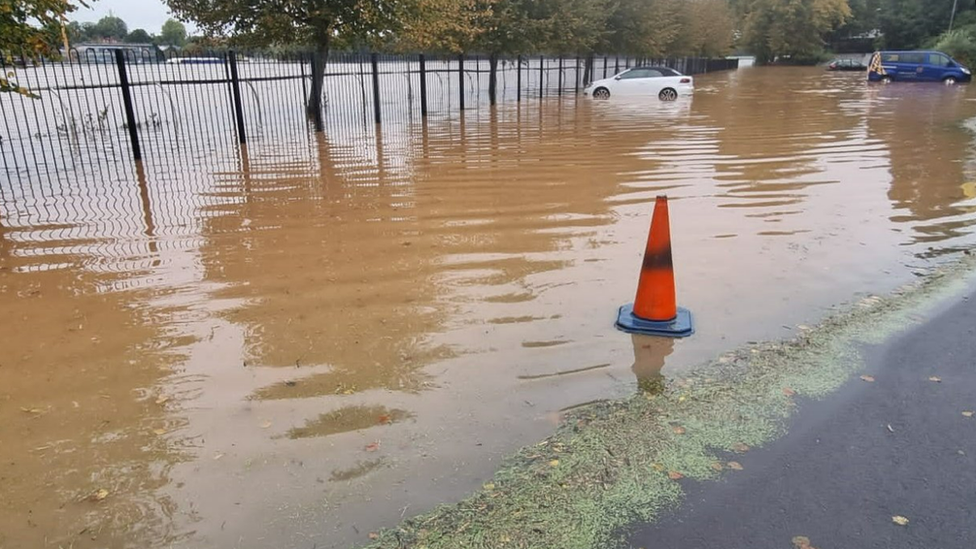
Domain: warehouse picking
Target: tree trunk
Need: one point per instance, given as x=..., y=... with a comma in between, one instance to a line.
x=492, y=78
x=588, y=70
x=314, y=107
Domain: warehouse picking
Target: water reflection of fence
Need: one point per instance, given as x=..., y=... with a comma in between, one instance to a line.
x=91, y=113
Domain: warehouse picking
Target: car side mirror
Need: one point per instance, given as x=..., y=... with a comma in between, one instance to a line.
x=617, y=77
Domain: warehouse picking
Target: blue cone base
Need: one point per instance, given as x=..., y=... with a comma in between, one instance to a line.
x=680, y=326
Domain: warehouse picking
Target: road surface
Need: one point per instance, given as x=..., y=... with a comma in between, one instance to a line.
x=897, y=446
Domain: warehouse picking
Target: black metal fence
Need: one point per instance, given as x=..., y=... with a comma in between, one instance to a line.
x=95, y=109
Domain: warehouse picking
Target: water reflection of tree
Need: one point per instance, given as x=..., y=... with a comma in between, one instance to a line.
x=927, y=147
x=773, y=126
x=79, y=411
x=355, y=268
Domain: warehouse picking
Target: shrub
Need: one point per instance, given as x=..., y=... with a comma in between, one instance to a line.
x=960, y=44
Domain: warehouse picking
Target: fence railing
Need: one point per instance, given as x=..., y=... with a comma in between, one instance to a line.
x=99, y=106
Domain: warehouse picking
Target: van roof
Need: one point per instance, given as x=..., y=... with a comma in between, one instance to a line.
x=912, y=51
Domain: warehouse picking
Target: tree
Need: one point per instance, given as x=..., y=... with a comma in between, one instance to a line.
x=711, y=28
x=791, y=28
x=111, y=28
x=25, y=30
x=316, y=23
x=173, y=33
x=138, y=36
x=80, y=32
x=909, y=24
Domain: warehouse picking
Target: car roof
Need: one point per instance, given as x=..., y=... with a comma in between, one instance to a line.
x=911, y=51
x=655, y=67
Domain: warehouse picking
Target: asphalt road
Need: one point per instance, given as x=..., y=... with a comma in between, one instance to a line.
x=841, y=473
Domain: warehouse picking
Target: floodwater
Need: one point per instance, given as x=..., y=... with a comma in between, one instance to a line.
x=322, y=340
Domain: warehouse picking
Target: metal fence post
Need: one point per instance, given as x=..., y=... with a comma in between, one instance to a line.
x=130, y=113
x=375, y=60
x=518, y=79
x=235, y=82
x=559, y=88
x=301, y=63
x=577, y=75
x=423, y=86
x=542, y=75
x=461, y=81
x=604, y=66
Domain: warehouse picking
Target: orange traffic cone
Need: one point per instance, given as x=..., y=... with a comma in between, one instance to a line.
x=655, y=310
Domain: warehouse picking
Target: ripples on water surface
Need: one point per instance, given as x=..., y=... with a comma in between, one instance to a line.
x=303, y=342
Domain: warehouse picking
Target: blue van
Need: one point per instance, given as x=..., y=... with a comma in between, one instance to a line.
x=917, y=66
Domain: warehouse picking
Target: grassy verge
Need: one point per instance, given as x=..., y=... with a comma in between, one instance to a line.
x=612, y=464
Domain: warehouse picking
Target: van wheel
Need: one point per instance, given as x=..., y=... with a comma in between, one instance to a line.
x=949, y=80
x=886, y=79
x=668, y=94
x=601, y=93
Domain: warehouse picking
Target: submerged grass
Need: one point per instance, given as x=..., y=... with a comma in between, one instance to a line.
x=612, y=464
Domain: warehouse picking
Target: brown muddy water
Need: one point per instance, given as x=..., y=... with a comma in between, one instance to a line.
x=330, y=337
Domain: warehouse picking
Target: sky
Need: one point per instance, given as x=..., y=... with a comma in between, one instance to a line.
x=138, y=14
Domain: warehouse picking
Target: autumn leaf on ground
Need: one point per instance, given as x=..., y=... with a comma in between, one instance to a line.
x=735, y=465
x=869, y=379
x=162, y=400
x=554, y=463
x=718, y=466
x=899, y=520
x=678, y=430
x=159, y=432
x=968, y=413
x=372, y=447
x=740, y=447
x=935, y=379
x=802, y=542
x=788, y=392
x=658, y=467
x=374, y=535
x=489, y=486
x=674, y=475
x=385, y=419
x=266, y=424
x=99, y=495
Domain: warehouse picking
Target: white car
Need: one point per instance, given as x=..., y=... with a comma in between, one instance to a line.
x=661, y=82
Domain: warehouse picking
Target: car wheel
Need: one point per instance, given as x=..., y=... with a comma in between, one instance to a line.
x=668, y=94
x=601, y=93
x=949, y=80
x=886, y=80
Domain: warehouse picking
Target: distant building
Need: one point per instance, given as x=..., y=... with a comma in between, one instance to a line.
x=105, y=53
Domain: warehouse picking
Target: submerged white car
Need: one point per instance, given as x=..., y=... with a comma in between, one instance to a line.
x=661, y=82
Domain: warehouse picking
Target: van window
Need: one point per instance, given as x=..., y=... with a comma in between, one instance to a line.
x=889, y=57
x=938, y=60
x=913, y=58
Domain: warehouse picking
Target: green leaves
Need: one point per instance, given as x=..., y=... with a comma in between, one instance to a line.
x=788, y=29
x=31, y=27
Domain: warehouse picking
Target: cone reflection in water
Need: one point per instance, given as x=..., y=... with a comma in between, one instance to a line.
x=649, y=355
x=655, y=310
